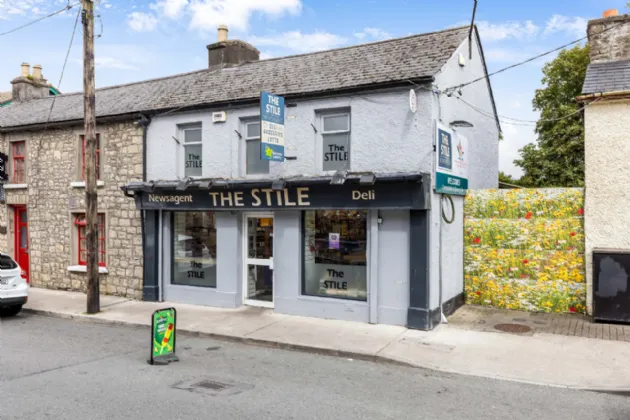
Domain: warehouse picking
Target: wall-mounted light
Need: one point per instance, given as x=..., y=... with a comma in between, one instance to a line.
x=367, y=179
x=461, y=124
x=149, y=187
x=278, y=185
x=205, y=185
x=183, y=184
x=339, y=178
x=222, y=183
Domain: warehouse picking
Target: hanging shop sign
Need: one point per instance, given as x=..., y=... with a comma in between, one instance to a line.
x=272, y=127
x=409, y=195
x=163, y=337
x=452, y=153
x=3, y=167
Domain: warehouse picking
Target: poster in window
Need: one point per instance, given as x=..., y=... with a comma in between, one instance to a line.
x=333, y=240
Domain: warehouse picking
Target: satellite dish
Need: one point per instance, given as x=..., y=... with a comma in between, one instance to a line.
x=413, y=101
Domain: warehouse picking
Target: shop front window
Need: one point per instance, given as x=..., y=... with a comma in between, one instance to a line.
x=335, y=254
x=194, y=249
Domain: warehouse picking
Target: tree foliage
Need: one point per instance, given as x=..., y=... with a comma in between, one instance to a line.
x=557, y=158
x=507, y=182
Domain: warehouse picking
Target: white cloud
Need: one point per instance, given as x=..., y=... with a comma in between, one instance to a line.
x=9, y=8
x=103, y=62
x=142, y=22
x=507, y=30
x=506, y=55
x=298, y=42
x=209, y=14
x=375, y=34
x=574, y=26
x=121, y=57
x=171, y=9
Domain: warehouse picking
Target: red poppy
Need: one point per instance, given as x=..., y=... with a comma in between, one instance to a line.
x=572, y=309
x=525, y=261
x=477, y=240
x=478, y=293
x=581, y=211
x=522, y=275
x=529, y=215
x=572, y=233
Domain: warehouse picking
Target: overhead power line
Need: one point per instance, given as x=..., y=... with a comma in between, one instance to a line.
x=68, y=7
x=65, y=63
x=451, y=89
x=36, y=165
x=527, y=123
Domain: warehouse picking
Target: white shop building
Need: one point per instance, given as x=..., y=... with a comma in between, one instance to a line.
x=348, y=226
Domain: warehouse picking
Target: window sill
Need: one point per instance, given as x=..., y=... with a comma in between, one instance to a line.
x=15, y=186
x=81, y=184
x=83, y=269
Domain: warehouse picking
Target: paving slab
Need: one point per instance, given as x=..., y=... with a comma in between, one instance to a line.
x=330, y=334
x=547, y=359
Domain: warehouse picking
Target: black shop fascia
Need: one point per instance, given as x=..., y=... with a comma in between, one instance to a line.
x=346, y=191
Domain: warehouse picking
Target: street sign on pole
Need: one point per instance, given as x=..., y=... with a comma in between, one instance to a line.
x=163, y=337
x=271, y=127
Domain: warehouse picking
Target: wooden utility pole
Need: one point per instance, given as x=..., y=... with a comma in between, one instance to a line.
x=91, y=214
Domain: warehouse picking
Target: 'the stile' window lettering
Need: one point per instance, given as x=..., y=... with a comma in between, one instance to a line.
x=192, y=151
x=336, y=142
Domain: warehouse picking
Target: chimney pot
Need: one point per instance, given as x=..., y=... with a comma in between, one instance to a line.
x=37, y=72
x=610, y=13
x=26, y=70
x=223, y=33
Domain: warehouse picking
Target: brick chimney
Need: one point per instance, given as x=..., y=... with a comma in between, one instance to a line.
x=27, y=86
x=229, y=53
x=609, y=37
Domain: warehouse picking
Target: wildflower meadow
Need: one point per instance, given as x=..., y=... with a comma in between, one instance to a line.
x=524, y=249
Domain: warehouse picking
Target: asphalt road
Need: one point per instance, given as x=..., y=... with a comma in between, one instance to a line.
x=65, y=370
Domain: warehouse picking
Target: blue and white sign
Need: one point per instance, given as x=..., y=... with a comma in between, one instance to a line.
x=271, y=127
x=451, y=175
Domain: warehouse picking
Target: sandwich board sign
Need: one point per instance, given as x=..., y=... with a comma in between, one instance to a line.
x=451, y=168
x=163, y=337
x=271, y=127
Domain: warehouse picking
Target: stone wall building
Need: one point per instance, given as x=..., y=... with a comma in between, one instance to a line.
x=606, y=96
x=44, y=197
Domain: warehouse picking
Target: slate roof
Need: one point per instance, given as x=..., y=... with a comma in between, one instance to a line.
x=613, y=76
x=412, y=58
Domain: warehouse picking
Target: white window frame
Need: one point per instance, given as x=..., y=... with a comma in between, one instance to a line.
x=182, y=143
x=320, y=154
x=245, y=123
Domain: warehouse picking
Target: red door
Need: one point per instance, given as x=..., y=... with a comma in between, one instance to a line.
x=21, y=239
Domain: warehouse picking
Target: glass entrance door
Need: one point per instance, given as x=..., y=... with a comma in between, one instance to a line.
x=258, y=287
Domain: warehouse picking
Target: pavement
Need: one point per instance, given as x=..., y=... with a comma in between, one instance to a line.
x=63, y=369
x=539, y=358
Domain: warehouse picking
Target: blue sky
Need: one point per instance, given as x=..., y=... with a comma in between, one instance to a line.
x=143, y=39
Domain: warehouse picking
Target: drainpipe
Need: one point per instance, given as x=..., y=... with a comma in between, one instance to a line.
x=144, y=123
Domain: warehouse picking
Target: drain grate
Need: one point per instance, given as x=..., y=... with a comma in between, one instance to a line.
x=215, y=386
x=513, y=328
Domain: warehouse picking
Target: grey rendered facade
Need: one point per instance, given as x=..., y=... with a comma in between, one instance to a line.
x=386, y=138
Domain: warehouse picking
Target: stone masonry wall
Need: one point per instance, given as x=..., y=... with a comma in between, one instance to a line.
x=54, y=193
x=609, y=39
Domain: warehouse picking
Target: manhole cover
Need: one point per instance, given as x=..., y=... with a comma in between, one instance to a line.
x=215, y=386
x=513, y=328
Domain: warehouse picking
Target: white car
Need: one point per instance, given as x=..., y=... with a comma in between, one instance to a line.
x=13, y=286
